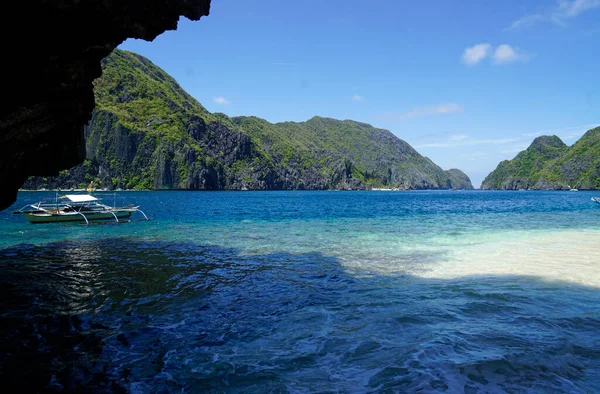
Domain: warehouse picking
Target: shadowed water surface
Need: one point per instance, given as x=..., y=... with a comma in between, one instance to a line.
x=152, y=316
x=314, y=304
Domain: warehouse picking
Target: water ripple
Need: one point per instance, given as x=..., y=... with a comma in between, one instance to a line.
x=158, y=316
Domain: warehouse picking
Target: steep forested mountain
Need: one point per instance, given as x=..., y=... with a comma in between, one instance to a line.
x=550, y=164
x=148, y=133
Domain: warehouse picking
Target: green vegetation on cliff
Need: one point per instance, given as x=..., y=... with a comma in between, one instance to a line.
x=373, y=157
x=148, y=133
x=550, y=164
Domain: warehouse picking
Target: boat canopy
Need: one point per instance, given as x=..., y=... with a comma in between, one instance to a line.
x=80, y=197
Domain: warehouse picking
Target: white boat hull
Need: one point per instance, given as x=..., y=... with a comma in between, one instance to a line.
x=83, y=208
x=46, y=217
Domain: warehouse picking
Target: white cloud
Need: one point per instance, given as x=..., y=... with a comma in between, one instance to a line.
x=457, y=137
x=526, y=21
x=357, y=97
x=505, y=54
x=473, y=55
x=468, y=143
x=446, y=108
x=558, y=14
x=221, y=100
x=570, y=9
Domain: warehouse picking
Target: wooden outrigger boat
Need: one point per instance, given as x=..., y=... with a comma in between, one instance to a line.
x=76, y=208
x=596, y=199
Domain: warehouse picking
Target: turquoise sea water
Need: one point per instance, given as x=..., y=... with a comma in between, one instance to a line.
x=439, y=291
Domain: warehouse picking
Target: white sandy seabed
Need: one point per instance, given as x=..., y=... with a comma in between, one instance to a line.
x=558, y=255
x=565, y=255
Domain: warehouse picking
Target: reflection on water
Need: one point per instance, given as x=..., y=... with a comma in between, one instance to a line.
x=140, y=316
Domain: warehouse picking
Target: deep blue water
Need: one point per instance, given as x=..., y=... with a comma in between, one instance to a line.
x=308, y=292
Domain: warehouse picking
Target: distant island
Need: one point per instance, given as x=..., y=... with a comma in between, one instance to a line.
x=549, y=164
x=148, y=133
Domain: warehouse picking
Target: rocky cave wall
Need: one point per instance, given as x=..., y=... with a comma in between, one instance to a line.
x=52, y=54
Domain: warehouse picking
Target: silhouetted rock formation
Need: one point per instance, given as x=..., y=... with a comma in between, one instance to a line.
x=52, y=53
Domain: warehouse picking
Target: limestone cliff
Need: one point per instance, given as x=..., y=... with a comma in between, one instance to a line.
x=148, y=133
x=549, y=164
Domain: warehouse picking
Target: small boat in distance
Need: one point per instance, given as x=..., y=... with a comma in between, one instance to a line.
x=76, y=208
x=596, y=199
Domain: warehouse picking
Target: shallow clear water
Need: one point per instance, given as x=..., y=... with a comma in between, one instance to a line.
x=308, y=292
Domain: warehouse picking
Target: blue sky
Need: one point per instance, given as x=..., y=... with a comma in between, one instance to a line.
x=468, y=84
